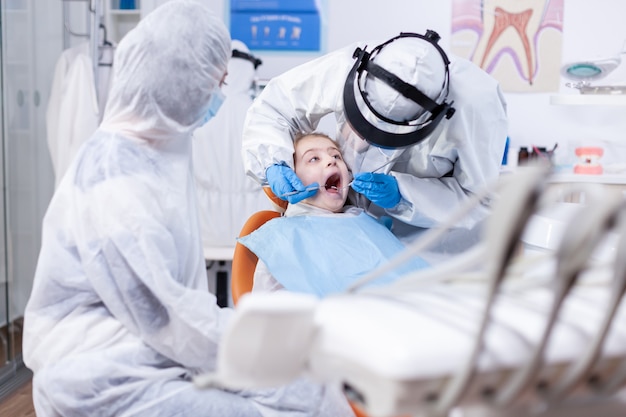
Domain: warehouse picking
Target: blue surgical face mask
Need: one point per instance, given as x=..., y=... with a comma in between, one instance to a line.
x=215, y=102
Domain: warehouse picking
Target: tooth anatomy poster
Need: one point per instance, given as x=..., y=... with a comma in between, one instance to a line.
x=516, y=41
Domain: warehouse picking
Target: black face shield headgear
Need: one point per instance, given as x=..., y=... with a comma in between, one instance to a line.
x=248, y=57
x=375, y=136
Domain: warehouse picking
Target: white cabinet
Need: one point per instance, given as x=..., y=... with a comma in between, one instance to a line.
x=120, y=17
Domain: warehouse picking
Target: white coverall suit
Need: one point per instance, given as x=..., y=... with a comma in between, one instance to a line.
x=120, y=316
x=460, y=157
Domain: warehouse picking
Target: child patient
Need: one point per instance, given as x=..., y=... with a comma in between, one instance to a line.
x=321, y=246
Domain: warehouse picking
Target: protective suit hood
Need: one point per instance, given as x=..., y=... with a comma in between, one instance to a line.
x=415, y=62
x=395, y=95
x=154, y=96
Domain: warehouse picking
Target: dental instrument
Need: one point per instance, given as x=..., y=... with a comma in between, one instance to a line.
x=322, y=187
x=300, y=191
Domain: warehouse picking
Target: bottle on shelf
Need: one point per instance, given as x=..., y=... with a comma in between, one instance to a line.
x=523, y=155
x=127, y=4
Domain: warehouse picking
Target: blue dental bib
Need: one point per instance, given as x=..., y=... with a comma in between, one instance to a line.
x=325, y=255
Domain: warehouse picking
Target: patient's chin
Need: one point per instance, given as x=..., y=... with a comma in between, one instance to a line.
x=335, y=202
x=328, y=201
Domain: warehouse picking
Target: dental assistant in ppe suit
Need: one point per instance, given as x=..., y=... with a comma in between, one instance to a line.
x=120, y=317
x=422, y=131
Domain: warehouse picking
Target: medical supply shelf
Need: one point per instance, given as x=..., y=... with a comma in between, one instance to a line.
x=121, y=21
x=564, y=181
x=125, y=12
x=589, y=99
x=608, y=179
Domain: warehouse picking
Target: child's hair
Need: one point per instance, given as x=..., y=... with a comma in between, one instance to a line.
x=301, y=135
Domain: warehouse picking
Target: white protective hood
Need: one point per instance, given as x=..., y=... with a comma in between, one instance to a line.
x=162, y=84
x=416, y=62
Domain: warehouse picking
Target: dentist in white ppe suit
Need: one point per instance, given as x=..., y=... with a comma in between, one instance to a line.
x=422, y=132
x=120, y=317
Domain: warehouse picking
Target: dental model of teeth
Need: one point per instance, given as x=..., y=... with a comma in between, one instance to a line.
x=589, y=160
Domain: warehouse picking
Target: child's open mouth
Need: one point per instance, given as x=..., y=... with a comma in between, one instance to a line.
x=333, y=183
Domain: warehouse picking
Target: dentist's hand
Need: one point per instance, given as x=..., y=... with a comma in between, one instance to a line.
x=286, y=185
x=380, y=189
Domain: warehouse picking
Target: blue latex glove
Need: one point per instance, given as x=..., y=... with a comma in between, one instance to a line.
x=286, y=185
x=380, y=189
x=386, y=221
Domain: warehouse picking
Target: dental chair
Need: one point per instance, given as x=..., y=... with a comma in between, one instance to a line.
x=244, y=260
x=535, y=345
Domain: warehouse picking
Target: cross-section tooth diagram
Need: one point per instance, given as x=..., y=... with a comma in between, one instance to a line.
x=518, y=41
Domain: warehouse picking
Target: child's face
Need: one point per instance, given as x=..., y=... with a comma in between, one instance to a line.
x=317, y=159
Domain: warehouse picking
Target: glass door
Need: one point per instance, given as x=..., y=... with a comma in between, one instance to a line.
x=31, y=42
x=4, y=293
x=16, y=105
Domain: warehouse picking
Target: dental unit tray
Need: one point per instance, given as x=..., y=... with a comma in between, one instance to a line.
x=586, y=88
x=603, y=89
